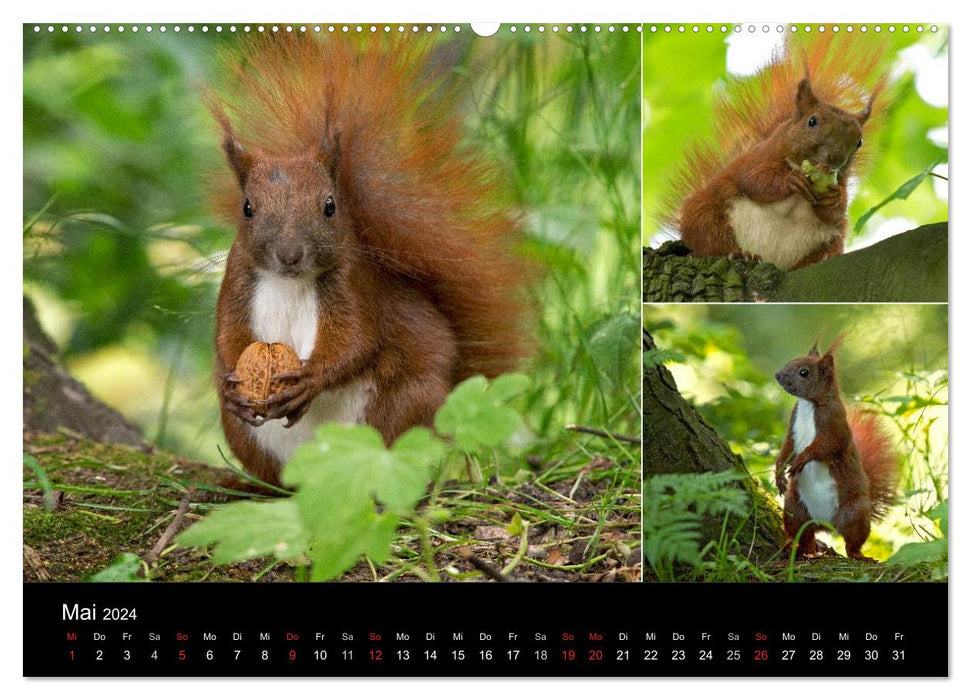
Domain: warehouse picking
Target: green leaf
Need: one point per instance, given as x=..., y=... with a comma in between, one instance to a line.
x=939, y=513
x=660, y=356
x=124, y=569
x=45, y=483
x=476, y=414
x=352, y=491
x=249, y=529
x=516, y=527
x=914, y=553
x=613, y=344
x=902, y=192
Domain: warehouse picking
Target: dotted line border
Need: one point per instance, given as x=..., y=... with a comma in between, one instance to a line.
x=443, y=28
x=320, y=28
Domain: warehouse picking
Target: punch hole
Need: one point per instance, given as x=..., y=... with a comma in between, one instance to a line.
x=485, y=28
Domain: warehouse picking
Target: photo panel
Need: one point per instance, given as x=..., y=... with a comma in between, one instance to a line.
x=813, y=157
x=331, y=303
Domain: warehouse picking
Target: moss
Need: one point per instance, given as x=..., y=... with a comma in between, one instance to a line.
x=113, y=499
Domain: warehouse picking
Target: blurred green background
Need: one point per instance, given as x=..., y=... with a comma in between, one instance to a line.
x=684, y=72
x=123, y=259
x=892, y=360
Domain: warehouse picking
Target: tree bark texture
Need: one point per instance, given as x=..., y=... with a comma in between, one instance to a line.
x=677, y=440
x=908, y=267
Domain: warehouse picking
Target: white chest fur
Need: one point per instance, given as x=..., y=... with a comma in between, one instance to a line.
x=286, y=311
x=817, y=488
x=782, y=233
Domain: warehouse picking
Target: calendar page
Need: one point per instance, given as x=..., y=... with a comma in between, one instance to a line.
x=554, y=350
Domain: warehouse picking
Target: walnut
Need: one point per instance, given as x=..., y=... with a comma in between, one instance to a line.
x=257, y=365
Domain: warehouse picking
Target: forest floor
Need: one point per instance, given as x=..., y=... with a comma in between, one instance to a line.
x=86, y=503
x=830, y=567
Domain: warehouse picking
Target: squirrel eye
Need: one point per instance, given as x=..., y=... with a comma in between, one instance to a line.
x=329, y=207
x=859, y=144
x=803, y=372
x=247, y=209
x=813, y=121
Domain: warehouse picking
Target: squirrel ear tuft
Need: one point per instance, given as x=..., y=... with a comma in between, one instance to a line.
x=240, y=160
x=814, y=350
x=865, y=114
x=805, y=99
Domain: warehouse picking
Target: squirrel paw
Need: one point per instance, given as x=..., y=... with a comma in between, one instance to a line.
x=291, y=403
x=801, y=185
x=236, y=403
x=859, y=556
x=781, y=482
x=832, y=197
x=744, y=255
x=795, y=469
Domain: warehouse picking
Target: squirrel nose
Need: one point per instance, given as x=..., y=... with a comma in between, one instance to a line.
x=289, y=255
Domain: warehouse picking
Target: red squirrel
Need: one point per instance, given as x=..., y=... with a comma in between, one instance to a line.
x=774, y=185
x=371, y=239
x=842, y=468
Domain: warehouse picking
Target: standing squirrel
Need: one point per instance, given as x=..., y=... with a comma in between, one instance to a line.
x=842, y=468
x=773, y=187
x=371, y=239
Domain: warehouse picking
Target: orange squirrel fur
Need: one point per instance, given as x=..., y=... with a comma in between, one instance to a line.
x=745, y=194
x=371, y=238
x=842, y=466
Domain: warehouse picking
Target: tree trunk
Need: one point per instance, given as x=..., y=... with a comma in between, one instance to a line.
x=677, y=440
x=909, y=267
x=54, y=400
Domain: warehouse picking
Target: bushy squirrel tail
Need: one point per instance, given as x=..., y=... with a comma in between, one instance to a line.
x=877, y=456
x=426, y=205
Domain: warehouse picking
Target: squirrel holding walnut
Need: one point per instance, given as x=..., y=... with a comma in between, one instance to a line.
x=370, y=239
x=841, y=465
x=773, y=185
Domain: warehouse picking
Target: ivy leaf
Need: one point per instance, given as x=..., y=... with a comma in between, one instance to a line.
x=612, y=344
x=249, y=529
x=477, y=415
x=914, y=553
x=939, y=513
x=352, y=491
x=124, y=569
